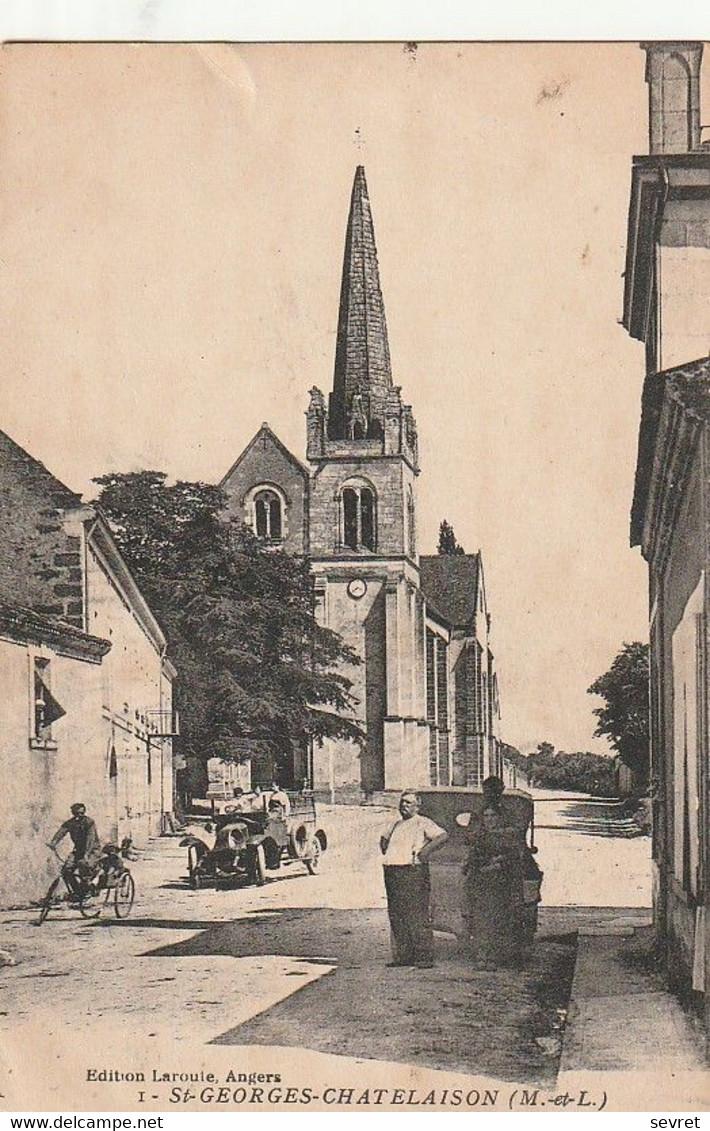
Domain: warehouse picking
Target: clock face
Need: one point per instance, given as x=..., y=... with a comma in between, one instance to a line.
x=357, y=588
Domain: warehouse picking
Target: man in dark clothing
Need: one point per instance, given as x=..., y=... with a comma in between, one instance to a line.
x=80, y=865
x=493, y=789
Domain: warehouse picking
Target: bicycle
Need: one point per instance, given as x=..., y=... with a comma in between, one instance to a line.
x=112, y=882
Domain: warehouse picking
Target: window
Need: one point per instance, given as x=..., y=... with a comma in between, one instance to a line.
x=267, y=516
x=46, y=708
x=358, y=518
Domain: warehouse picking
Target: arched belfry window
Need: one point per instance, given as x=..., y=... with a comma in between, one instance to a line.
x=268, y=517
x=358, y=518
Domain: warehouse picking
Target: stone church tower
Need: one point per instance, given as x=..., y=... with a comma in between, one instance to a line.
x=362, y=450
x=426, y=686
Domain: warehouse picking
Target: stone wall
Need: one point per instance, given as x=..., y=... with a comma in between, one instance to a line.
x=264, y=463
x=39, y=781
x=40, y=553
x=681, y=579
x=361, y=624
x=132, y=685
x=684, y=282
x=388, y=477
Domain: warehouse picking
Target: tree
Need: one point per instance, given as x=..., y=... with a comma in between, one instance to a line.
x=545, y=751
x=447, y=540
x=256, y=671
x=624, y=716
x=556, y=769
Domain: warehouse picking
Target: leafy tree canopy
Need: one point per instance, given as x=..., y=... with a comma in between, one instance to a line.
x=447, y=540
x=623, y=717
x=581, y=770
x=256, y=671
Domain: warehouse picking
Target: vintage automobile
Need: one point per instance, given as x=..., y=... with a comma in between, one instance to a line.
x=454, y=808
x=247, y=845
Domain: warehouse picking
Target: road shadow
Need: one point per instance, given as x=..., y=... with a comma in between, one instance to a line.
x=594, y=817
x=236, y=883
x=152, y=924
x=503, y=1023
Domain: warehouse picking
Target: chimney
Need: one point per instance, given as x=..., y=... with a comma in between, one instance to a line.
x=673, y=77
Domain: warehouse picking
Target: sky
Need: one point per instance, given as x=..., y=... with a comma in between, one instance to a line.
x=171, y=237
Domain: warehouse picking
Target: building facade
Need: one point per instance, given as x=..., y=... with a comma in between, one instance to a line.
x=426, y=687
x=87, y=698
x=667, y=307
x=47, y=668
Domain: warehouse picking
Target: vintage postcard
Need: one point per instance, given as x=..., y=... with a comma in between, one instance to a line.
x=354, y=432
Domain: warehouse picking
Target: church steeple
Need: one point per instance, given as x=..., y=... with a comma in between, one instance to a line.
x=363, y=375
x=365, y=416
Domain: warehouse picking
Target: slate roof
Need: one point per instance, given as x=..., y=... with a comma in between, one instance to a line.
x=362, y=356
x=450, y=583
x=265, y=430
x=34, y=471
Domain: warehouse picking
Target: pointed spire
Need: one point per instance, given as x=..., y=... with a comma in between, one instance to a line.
x=363, y=374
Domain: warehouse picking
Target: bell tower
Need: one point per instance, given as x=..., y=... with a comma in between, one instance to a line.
x=364, y=459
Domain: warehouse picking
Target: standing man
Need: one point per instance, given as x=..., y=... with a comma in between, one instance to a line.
x=406, y=848
x=493, y=789
x=80, y=865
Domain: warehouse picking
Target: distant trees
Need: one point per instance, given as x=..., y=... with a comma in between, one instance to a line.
x=580, y=771
x=257, y=673
x=447, y=540
x=624, y=716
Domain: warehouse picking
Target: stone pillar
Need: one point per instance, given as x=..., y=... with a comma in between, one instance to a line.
x=392, y=620
x=393, y=422
x=316, y=425
x=394, y=740
x=414, y=674
x=673, y=77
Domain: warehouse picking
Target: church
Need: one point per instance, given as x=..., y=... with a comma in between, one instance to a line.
x=427, y=684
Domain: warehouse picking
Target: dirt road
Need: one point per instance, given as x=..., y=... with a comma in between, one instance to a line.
x=301, y=961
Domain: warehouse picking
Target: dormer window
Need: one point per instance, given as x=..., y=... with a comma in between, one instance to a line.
x=358, y=517
x=267, y=514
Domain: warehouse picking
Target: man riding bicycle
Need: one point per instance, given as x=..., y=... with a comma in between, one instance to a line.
x=80, y=865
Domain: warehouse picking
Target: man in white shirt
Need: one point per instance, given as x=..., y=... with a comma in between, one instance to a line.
x=406, y=848
x=279, y=797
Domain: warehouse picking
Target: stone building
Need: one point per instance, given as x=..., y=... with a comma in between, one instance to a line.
x=427, y=686
x=667, y=307
x=87, y=685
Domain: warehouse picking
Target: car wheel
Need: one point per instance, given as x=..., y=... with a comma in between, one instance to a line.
x=49, y=899
x=298, y=843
